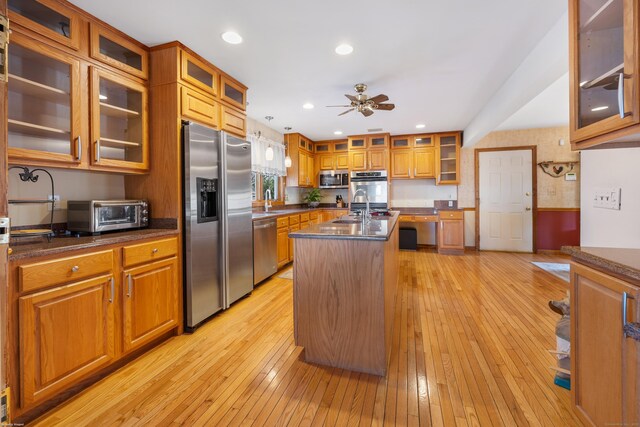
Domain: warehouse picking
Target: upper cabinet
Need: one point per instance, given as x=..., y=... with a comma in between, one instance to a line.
x=233, y=92
x=197, y=73
x=48, y=18
x=118, y=121
x=44, y=104
x=604, y=63
x=119, y=52
x=364, y=142
x=448, y=158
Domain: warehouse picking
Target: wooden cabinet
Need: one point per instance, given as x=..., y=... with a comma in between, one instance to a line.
x=448, y=158
x=358, y=160
x=401, y=163
x=604, y=376
x=283, y=246
x=119, y=122
x=305, y=170
x=233, y=92
x=233, y=121
x=424, y=163
x=65, y=333
x=604, y=66
x=150, y=302
x=197, y=107
x=326, y=162
x=118, y=52
x=48, y=18
x=368, y=160
x=342, y=161
x=363, y=142
x=302, y=172
x=42, y=81
x=451, y=232
x=197, y=73
x=413, y=163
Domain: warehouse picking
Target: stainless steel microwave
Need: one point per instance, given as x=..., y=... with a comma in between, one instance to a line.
x=334, y=179
x=96, y=216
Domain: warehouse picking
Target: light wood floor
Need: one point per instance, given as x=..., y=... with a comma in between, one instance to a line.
x=470, y=340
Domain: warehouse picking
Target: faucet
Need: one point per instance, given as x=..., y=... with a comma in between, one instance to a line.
x=267, y=205
x=365, y=216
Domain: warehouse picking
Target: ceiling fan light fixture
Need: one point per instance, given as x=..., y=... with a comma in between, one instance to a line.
x=344, y=49
x=231, y=37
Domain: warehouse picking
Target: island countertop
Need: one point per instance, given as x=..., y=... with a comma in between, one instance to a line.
x=623, y=263
x=379, y=228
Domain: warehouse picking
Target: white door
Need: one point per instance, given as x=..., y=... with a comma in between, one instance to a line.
x=506, y=202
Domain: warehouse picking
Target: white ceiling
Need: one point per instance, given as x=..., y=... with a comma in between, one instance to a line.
x=438, y=61
x=550, y=108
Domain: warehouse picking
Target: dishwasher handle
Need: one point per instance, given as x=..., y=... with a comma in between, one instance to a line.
x=262, y=226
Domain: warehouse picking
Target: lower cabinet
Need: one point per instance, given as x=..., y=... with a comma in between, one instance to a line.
x=150, y=302
x=451, y=232
x=283, y=246
x=78, y=314
x=65, y=333
x=604, y=362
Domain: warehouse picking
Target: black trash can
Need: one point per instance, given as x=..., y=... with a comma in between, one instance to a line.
x=408, y=239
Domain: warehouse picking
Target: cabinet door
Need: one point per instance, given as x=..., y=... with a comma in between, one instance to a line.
x=598, y=346
x=283, y=246
x=401, y=163
x=65, y=334
x=311, y=176
x=233, y=92
x=302, y=169
x=48, y=18
x=451, y=235
x=198, y=73
x=150, y=302
x=119, y=122
x=325, y=162
x=198, y=107
x=424, y=163
x=378, y=159
x=357, y=143
x=233, y=121
x=342, y=161
x=448, y=159
x=604, y=67
x=358, y=160
x=119, y=52
x=323, y=147
x=44, y=113
x=378, y=141
x=421, y=141
x=292, y=229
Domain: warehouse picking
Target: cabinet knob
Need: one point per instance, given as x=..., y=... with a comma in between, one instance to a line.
x=154, y=250
x=75, y=269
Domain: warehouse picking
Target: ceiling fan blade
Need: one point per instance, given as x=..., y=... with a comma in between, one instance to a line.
x=386, y=107
x=343, y=113
x=343, y=106
x=351, y=97
x=380, y=98
x=366, y=112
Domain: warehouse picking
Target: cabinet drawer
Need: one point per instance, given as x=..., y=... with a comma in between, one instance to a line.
x=304, y=217
x=451, y=214
x=294, y=219
x=283, y=221
x=233, y=121
x=406, y=218
x=426, y=218
x=152, y=251
x=198, y=107
x=47, y=273
x=313, y=215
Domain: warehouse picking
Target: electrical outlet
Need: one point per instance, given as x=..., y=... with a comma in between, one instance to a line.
x=607, y=198
x=54, y=197
x=4, y=406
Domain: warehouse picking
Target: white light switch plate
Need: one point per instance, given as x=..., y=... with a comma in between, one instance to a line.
x=607, y=198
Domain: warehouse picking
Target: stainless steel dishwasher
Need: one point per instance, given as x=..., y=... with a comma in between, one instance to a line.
x=265, y=249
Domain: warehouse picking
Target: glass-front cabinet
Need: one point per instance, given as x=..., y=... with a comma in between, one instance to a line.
x=604, y=67
x=44, y=104
x=198, y=74
x=48, y=18
x=118, y=52
x=448, y=158
x=118, y=121
x=233, y=92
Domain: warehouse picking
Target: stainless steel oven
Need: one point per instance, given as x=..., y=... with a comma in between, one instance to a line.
x=334, y=179
x=96, y=216
x=375, y=184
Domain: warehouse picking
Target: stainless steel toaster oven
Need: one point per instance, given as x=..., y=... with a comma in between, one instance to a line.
x=96, y=216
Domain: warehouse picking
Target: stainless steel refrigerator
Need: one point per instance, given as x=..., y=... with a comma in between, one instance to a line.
x=218, y=241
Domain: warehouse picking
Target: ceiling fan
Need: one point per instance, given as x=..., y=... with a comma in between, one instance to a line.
x=363, y=104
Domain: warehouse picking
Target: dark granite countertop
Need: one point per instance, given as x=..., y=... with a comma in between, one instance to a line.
x=379, y=228
x=422, y=211
x=623, y=263
x=274, y=213
x=58, y=245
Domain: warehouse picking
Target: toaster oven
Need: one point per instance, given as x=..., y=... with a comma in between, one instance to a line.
x=96, y=216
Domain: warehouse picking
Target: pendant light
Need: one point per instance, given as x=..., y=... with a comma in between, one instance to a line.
x=287, y=160
x=268, y=155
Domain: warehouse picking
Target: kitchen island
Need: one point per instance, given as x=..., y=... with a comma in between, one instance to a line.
x=345, y=281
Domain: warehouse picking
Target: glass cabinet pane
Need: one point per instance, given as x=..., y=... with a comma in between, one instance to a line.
x=378, y=141
x=120, y=53
x=448, y=158
x=341, y=146
x=233, y=94
x=121, y=122
x=400, y=143
x=40, y=103
x=601, y=59
x=422, y=141
x=43, y=15
x=199, y=74
x=357, y=143
x=322, y=148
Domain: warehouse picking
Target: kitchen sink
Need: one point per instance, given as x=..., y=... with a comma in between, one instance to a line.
x=347, y=221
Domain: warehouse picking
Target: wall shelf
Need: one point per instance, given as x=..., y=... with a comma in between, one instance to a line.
x=114, y=111
x=35, y=89
x=18, y=126
x=117, y=143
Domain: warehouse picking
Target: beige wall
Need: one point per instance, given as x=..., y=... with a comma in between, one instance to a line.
x=552, y=192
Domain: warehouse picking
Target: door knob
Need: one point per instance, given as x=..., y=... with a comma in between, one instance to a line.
x=527, y=194
x=528, y=208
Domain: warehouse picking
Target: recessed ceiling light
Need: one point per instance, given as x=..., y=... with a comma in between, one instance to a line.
x=232, y=37
x=344, y=49
x=420, y=126
x=338, y=132
x=308, y=106
x=604, y=107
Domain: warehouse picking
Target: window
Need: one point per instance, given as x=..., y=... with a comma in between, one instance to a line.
x=260, y=183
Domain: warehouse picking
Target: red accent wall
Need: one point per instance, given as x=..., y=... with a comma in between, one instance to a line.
x=558, y=228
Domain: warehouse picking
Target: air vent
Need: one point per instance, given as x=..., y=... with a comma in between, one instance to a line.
x=375, y=130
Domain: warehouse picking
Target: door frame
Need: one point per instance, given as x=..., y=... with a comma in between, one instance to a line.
x=534, y=188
